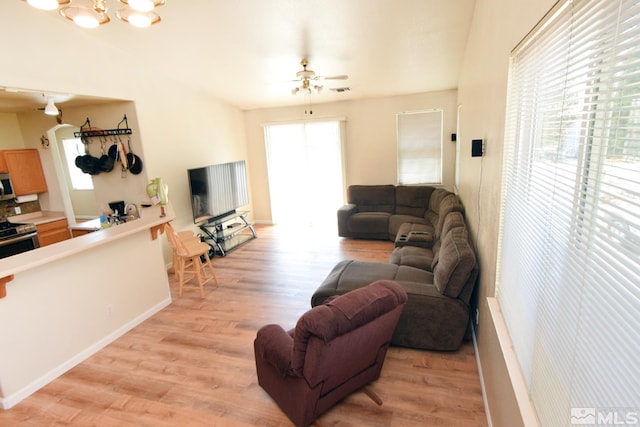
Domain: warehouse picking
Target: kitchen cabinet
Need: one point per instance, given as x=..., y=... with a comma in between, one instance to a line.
x=78, y=233
x=25, y=170
x=53, y=232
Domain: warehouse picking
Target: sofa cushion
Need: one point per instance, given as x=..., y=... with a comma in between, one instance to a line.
x=449, y=203
x=436, y=198
x=369, y=223
x=372, y=198
x=348, y=275
x=433, y=213
x=412, y=256
x=412, y=200
x=451, y=221
x=456, y=264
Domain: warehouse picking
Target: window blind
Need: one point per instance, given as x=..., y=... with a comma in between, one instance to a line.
x=420, y=147
x=568, y=265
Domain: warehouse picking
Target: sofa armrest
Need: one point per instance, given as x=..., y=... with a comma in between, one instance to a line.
x=274, y=345
x=344, y=212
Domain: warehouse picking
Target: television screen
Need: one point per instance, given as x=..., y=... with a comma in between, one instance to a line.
x=218, y=190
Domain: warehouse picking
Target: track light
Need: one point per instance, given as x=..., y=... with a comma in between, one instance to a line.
x=50, y=109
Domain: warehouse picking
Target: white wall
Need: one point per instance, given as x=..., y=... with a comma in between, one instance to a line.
x=497, y=27
x=370, y=146
x=10, y=134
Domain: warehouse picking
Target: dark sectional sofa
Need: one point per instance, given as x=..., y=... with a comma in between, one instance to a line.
x=378, y=211
x=439, y=276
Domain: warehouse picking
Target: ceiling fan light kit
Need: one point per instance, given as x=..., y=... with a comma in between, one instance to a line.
x=305, y=76
x=93, y=13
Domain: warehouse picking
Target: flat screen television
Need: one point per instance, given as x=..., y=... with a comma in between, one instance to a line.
x=218, y=190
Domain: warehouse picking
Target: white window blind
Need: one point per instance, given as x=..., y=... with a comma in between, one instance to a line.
x=420, y=147
x=569, y=267
x=304, y=163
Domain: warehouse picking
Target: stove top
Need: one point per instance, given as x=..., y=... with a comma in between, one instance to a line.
x=9, y=229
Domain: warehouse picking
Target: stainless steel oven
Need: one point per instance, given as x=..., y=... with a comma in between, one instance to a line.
x=6, y=188
x=17, y=238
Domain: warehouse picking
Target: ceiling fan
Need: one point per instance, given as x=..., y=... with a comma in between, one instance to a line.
x=307, y=76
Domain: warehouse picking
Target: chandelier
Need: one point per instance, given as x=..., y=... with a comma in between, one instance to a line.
x=93, y=13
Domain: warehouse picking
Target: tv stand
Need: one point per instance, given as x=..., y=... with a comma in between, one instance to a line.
x=228, y=232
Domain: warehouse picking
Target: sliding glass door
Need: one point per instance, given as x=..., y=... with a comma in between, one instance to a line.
x=304, y=163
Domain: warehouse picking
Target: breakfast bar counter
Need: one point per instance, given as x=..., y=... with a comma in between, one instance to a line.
x=66, y=301
x=151, y=220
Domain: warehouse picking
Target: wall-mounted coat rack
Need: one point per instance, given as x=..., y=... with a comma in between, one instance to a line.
x=90, y=132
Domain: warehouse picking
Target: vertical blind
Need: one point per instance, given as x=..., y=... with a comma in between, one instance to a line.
x=569, y=267
x=420, y=147
x=304, y=164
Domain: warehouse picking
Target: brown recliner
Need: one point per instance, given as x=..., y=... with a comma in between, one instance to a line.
x=335, y=349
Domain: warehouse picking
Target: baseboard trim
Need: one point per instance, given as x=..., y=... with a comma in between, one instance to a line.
x=485, y=401
x=10, y=401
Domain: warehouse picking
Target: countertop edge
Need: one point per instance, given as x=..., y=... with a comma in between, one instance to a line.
x=45, y=255
x=37, y=218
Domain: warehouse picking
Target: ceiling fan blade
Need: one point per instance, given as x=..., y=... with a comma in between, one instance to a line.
x=340, y=77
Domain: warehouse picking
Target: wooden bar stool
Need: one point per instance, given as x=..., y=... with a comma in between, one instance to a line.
x=190, y=259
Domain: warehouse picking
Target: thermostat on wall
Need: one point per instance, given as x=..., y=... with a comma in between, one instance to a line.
x=477, y=147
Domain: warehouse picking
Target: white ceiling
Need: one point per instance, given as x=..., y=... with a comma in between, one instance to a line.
x=247, y=51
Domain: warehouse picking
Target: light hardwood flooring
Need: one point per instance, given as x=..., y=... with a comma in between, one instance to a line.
x=192, y=364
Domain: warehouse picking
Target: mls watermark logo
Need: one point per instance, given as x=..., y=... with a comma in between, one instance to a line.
x=605, y=417
x=583, y=416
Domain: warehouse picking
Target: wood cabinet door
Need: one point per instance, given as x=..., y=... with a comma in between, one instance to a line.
x=26, y=171
x=53, y=232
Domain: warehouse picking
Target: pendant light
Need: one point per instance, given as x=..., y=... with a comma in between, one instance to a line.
x=140, y=13
x=86, y=13
x=50, y=109
x=143, y=5
x=47, y=4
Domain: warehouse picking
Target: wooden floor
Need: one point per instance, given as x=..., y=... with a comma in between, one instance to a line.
x=192, y=364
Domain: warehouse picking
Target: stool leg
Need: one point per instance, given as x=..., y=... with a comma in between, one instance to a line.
x=180, y=272
x=197, y=267
x=213, y=273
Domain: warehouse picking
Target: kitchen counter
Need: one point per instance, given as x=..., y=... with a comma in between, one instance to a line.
x=27, y=260
x=40, y=217
x=66, y=301
x=91, y=225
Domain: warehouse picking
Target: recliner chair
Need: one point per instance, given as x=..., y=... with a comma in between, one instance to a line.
x=335, y=349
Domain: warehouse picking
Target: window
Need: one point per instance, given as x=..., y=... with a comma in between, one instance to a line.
x=420, y=147
x=79, y=180
x=569, y=271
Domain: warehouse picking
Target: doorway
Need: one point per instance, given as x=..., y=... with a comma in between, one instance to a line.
x=305, y=170
x=78, y=196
